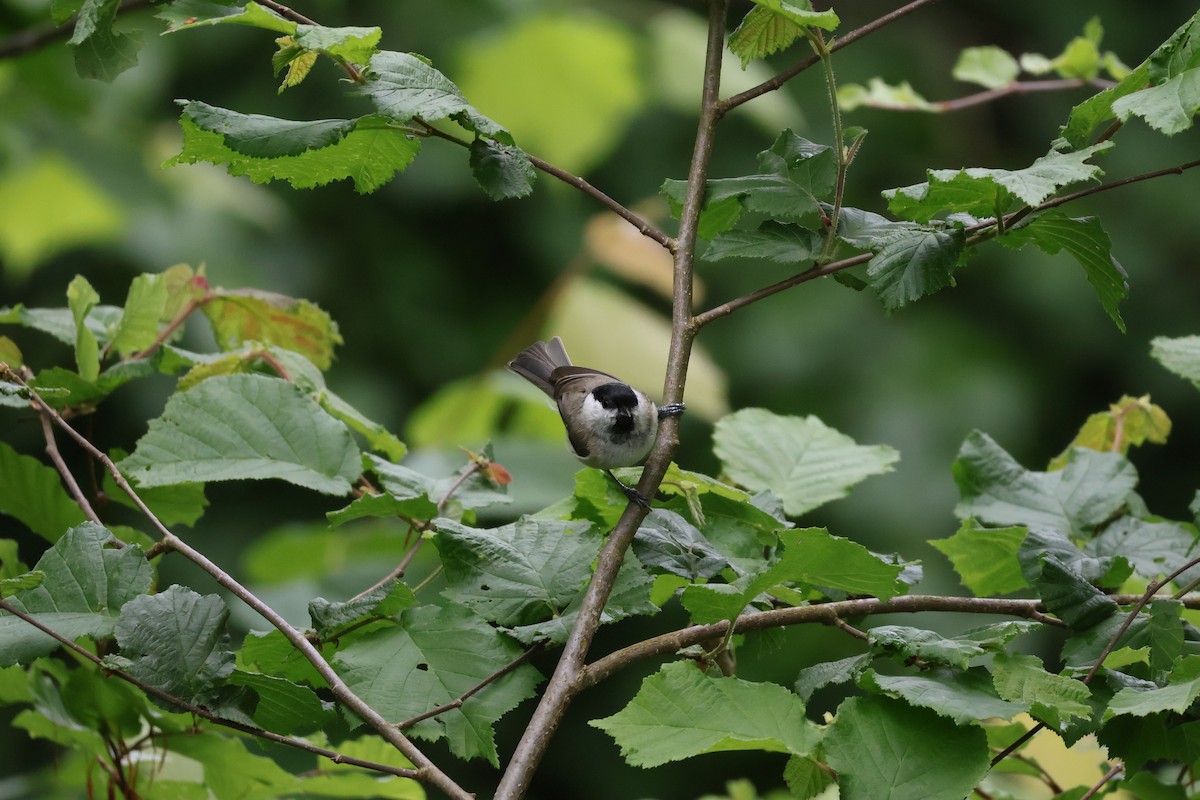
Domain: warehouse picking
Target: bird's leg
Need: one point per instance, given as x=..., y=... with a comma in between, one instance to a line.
x=630, y=492
x=671, y=410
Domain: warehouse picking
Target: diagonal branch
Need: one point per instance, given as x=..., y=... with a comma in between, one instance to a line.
x=426, y=769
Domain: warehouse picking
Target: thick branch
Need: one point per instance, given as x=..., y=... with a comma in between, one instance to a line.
x=564, y=683
x=825, y=614
x=426, y=769
x=204, y=713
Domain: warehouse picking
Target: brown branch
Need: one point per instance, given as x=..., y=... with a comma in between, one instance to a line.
x=987, y=96
x=1116, y=770
x=462, y=698
x=644, y=227
x=201, y=711
x=668, y=644
x=564, y=683
x=27, y=41
x=730, y=103
x=56, y=457
x=426, y=769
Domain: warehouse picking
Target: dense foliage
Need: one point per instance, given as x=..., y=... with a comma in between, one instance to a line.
x=384, y=690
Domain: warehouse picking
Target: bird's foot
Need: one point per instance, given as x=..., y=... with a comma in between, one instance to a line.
x=671, y=410
x=630, y=492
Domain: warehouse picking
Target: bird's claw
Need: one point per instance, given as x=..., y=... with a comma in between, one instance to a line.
x=630, y=492
x=671, y=410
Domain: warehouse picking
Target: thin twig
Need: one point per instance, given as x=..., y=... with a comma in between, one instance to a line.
x=1151, y=590
x=201, y=711
x=564, y=683
x=56, y=457
x=426, y=769
x=1116, y=770
x=989, y=95
x=644, y=226
x=462, y=698
x=730, y=103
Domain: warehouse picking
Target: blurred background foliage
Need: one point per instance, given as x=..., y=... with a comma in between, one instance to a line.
x=434, y=286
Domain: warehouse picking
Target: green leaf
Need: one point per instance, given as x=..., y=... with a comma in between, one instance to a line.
x=990, y=67
x=370, y=155
x=781, y=242
x=916, y=643
x=386, y=600
x=960, y=696
x=1155, y=738
x=1167, y=107
x=680, y=712
x=86, y=584
x=916, y=265
x=18, y=583
x=761, y=33
x=384, y=505
x=831, y=673
x=261, y=136
x=352, y=44
x=983, y=192
x=503, y=170
x=403, y=86
x=1180, y=355
x=82, y=298
x=880, y=94
x=1128, y=422
x=801, y=13
x=144, y=307
x=997, y=490
x=176, y=640
x=794, y=175
x=886, y=749
x=985, y=558
x=810, y=556
x=1070, y=596
x=33, y=493
x=244, y=315
x=231, y=771
x=284, y=707
x=802, y=460
x=1181, y=690
x=518, y=574
x=246, y=426
x=805, y=777
x=1153, y=548
x=669, y=542
x=1084, y=239
x=271, y=653
x=100, y=51
x=630, y=597
x=421, y=664
x=197, y=13
x=1054, y=699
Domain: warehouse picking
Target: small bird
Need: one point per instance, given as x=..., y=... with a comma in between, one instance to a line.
x=609, y=423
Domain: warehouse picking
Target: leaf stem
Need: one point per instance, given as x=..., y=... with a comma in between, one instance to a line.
x=839, y=143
